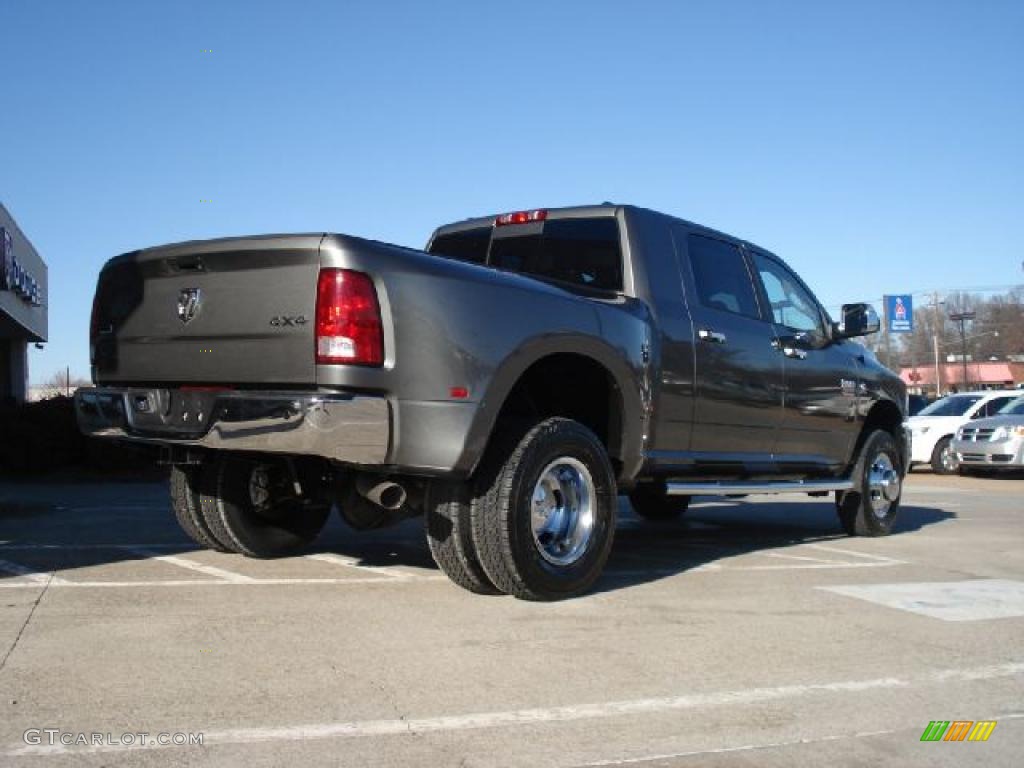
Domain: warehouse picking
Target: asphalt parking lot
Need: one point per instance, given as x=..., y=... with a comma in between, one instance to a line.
x=752, y=633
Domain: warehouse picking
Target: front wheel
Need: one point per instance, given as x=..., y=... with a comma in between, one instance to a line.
x=870, y=508
x=944, y=460
x=544, y=514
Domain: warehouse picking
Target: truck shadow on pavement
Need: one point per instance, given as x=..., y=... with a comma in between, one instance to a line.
x=733, y=535
x=75, y=531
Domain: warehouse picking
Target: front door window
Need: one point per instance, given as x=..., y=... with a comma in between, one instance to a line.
x=791, y=305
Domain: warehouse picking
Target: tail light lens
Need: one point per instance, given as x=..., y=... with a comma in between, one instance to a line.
x=348, y=325
x=521, y=217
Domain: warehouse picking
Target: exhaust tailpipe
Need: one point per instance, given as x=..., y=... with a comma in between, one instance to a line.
x=383, y=493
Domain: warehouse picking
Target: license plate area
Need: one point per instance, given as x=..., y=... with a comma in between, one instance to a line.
x=163, y=411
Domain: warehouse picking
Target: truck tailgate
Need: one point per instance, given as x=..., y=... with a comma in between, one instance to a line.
x=233, y=311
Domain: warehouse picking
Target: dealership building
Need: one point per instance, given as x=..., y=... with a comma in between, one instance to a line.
x=23, y=299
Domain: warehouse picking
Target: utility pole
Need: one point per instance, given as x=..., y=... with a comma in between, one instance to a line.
x=935, y=341
x=888, y=341
x=961, y=318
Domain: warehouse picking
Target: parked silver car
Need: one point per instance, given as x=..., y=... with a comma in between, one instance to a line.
x=995, y=442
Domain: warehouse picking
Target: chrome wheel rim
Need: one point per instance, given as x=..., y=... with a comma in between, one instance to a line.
x=948, y=459
x=562, y=511
x=883, y=485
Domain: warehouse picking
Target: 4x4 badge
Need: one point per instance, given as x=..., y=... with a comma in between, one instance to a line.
x=280, y=321
x=189, y=300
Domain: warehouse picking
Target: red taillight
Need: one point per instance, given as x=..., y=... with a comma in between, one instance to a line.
x=520, y=217
x=348, y=326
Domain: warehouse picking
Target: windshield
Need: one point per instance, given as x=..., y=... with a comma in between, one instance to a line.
x=1013, y=408
x=954, y=405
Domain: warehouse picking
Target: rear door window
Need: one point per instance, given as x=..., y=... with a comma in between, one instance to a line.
x=721, y=276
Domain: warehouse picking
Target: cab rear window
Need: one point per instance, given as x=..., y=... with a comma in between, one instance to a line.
x=584, y=251
x=468, y=245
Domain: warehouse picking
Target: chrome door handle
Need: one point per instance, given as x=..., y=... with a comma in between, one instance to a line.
x=705, y=334
x=789, y=350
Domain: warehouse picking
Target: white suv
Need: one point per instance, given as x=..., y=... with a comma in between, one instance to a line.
x=933, y=428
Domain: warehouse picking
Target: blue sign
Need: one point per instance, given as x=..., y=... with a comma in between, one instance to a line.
x=899, y=313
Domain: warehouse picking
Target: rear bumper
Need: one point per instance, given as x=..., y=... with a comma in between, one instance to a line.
x=342, y=427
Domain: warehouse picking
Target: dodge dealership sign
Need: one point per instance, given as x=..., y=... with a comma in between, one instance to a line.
x=13, y=276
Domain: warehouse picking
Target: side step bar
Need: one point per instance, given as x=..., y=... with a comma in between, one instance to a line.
x=788, y=486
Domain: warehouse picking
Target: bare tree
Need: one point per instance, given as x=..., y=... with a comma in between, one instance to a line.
x=997, y=331
x=999, y=327
x=62, y=384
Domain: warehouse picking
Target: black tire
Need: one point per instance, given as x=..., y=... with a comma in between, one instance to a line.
x=280, y=525
x=941, y=463
x=503, y=531
x=184, y=488
x=857, y=514
x=448, y=508
x=652, y=502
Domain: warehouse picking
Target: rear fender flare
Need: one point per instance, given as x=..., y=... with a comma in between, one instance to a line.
x=626, y=375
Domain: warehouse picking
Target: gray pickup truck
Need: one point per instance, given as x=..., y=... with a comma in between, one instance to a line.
x=507, y=383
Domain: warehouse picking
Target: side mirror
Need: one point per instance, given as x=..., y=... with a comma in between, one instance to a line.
x=858, y=320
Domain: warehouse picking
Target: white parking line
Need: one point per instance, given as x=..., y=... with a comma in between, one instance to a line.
x=808, y=566
x=220, y=582
x=138, y=511
x=764, y=745
x=639, y=573
x=73, y=547
x=34, y=576
x=538, y=716
x=799, y=558
x=351, y=562
x=935, y=490
x=803, y=562
x=222, y=577
x=181, y=562
x=968, y=600
x=855, y=553
x=726, y=750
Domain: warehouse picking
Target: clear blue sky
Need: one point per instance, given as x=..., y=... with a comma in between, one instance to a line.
x=877, y=146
